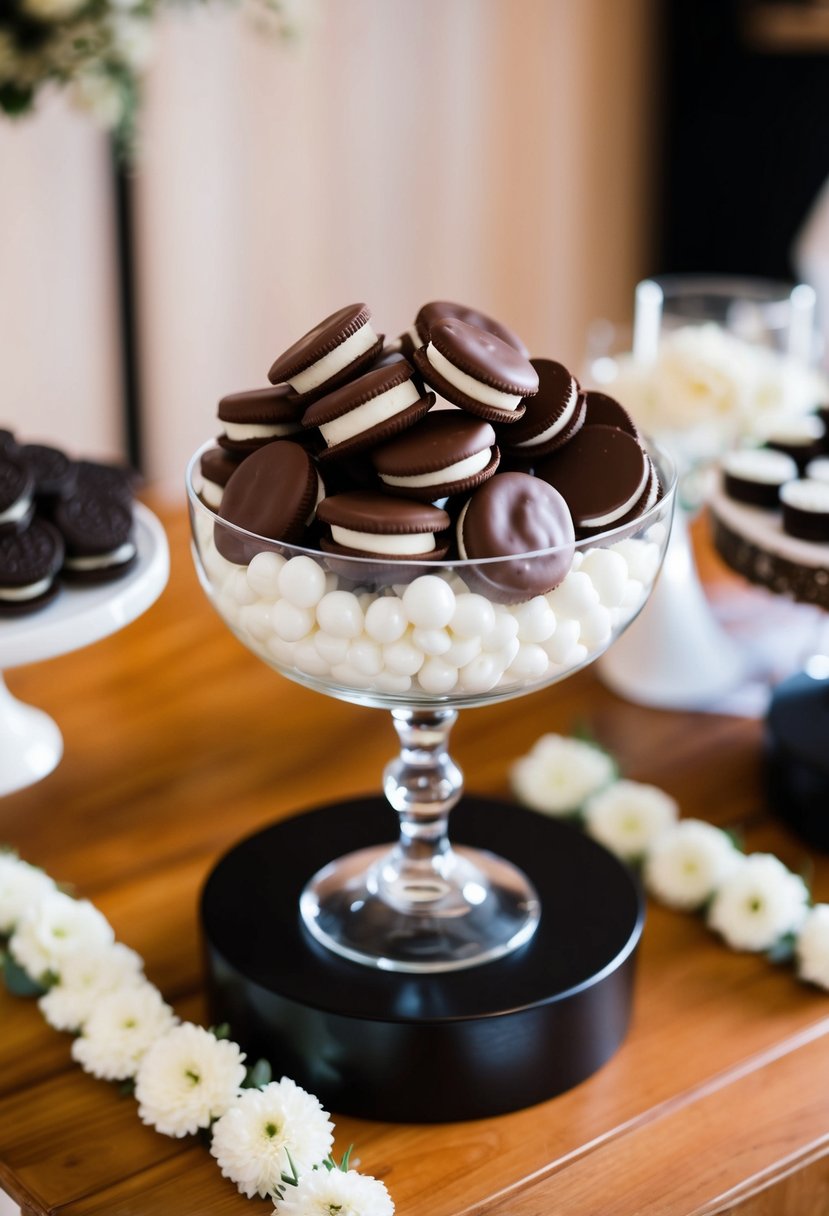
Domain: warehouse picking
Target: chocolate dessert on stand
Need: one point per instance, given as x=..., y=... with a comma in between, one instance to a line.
x=389, y=555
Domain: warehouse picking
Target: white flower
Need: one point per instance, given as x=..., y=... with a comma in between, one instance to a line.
x=687, y=863
x=132, y=39
x=187, y=1079
x=558, y=774
x=21, y=887
x=253, y=1139
x=85, y=976
x=628, y=817
x=812, y=947
x=53, y=929
x=120, y=1029
x=758, y=904
x=336, y=1193
x=51, y=10
x=100, y=95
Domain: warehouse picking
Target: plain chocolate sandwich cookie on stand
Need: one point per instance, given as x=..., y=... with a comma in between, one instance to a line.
x=477, y=371
x=330, y=353
x=755, y=475
x=29, y=564
x=98, y=535
x=16, y=494
x=447, y=452
x=374, y=407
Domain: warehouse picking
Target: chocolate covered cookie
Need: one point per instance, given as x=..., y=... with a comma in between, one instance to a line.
x=477, y=371
x=447, y=452
x=29, y=563
x=272, y=494
x=806, y=510
x=601, y=410
x=440, y=310
x=216, y=467
x=334, y=351
x=524, y=520
x=98, y=535
x=755, y=475
x=604, y=476
x=254, y=418
x=110, y=480
x=801, y=437
x=365, y=524
x=552, y=417
x=369, y=409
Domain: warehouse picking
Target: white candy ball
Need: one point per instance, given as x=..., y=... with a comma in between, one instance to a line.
x=339, y=613
x=574, y=596
x=228, y=608
x=263, y=574
x=595, y=628
x=431, y=641
x=482, y=674
x=503, y=632
x=366, y=657
x=331, y=649
x=457, y=584
x=578, y=558
x=530, y=663
x=302, y=582
x=256, y=620
x=387, y=681
x=565, y=639
x=633, y=595
x=350, y=677
x=331, y=581
x=219, y=569
x=473, y=616
x=608, y=572
x=291, y=623
x=437, y=676
x=536, y=620
x=462, y=651
x=280, y=650
x=240, y=589
x=385, y=619
x=657, y=533
x=402, y=658
x=429, y=602
x=641, y=557
x=308, y=659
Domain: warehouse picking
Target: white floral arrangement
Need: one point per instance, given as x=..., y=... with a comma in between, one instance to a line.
x=271, y=1138
x=751, y=900
x=96, y=49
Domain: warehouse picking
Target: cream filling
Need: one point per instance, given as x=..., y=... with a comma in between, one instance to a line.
x=601, y=521
x=762, y=465
x=326, y=367
x=453, y=472
x=818, y=469
x=259, y=430
x=363, y=417
x=29, y=592
x=560, y=423
x=122, y=554
x=805, y=429
x=806, y=495
x=211, y=493
x=465, y=383
x=16, y=511
x=406, y=545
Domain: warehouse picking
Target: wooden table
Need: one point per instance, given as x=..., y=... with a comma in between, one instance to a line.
x=178, y=741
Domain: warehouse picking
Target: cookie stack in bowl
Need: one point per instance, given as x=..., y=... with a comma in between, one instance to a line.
x=448, y=442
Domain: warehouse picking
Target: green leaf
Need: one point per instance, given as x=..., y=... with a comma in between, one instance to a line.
x=127, y=1088
x=18, y=982
x=782, y=951
x=222, y=1031
x=258, y=1076
x=15, y=99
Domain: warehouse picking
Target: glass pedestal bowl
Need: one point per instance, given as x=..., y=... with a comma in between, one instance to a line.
x=423, y=640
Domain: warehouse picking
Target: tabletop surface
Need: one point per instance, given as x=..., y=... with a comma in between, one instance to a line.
x=178, y=742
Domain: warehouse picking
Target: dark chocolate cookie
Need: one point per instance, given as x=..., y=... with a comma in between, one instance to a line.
x=447, y=452
x=440, y=310
x=334, y=351
x=29, y=562
x=369, y=409
x=477, y=371
x=272, y=494
x=98, y=533
x=551, y=418
x=16, y=493
x=602, y=474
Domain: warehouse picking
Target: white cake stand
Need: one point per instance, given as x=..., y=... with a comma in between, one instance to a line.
x=30, y=742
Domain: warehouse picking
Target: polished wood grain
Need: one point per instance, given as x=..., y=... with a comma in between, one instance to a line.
x=178, y=742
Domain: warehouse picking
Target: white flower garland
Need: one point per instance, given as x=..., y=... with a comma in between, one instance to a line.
x=271, y=1138
x=752, y=901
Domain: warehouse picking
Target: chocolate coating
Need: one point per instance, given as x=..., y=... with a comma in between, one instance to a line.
x=365, y=388
x=29, y=556
x=218, y=466
x=112, y=480
x=603, y=410
x=54, y=473
x=321, y=340
x=93, y=524
x=380, y=514
x=16, y=482
x=516, y=514
x=485, y=357
x=278, y=403
x=271, y=494
x=557, y=391
x=441, y=439
x=439, y=310
x=597, y=472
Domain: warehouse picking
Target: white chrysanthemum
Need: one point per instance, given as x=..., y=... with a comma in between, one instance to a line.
x=336, y=1193
x=758, y=904
x=51, y=10
x=557, y=775
x=86, y=976
x=687, y=863
x=187, y=1079
x=132, y=39
x=98, y=93
x=254, y=1138
x=120, y=1029
x=53, y=929
x=812, y=947
x=21, y=887
x=629, y=816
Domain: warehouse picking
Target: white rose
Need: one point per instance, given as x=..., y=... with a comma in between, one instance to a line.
x=100, y=95
x=687, y=863
x=558, y=774
x=812, y=947
x=760, y=902
x=132, y=39
x=628, y=817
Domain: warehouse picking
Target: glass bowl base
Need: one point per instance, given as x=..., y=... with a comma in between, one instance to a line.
x=473, y=908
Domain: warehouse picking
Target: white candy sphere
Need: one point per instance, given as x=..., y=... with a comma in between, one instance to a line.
x=431, y=641
x=291, y=623
x=437, y=676
x=402, y=658
x=462, y=651
x=280, y=650
x=240, y=589
x=502, y=633
x=457, y=584
x=641, y=556
x=387, y=681
x=564, y=641
x=536, y=620
x=530, y=663
x=574, y=596
x=385, y=619
x=366, y=657
x=350, y=677
x=473, y=616
x=429, y=602
x=608, y=572
x=308, y=659
x=263, y=574
x=331, y=649
x=633, y=595
x=595, y=627
x=219, y=569
x=482, y=674
x=255, y=619
x=302, y=582
x=339, y=613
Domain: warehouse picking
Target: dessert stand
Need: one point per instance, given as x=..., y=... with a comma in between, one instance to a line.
x=678, y=655
x=423, y=980
x=30, y=742
x=752, y=542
